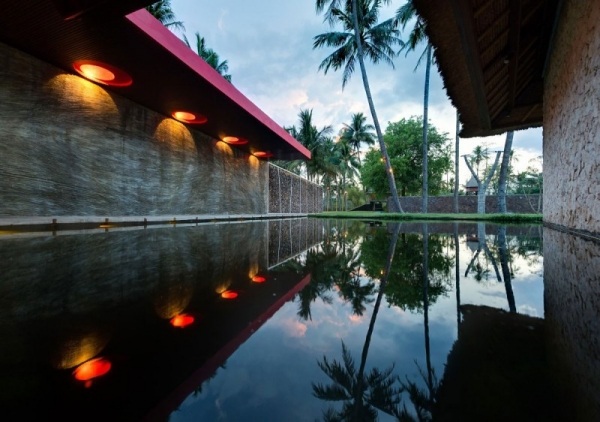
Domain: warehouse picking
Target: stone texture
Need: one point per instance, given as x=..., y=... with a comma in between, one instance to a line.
x=572, y=306
x=290, y=237
x=290, y=193
x=571, y=116
x=468, y=204
x=70, y=147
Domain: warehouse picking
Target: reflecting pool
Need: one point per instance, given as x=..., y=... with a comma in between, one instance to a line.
x=300, y=320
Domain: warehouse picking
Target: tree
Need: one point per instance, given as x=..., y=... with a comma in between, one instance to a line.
x=482, y=185
x=344, y=159
x=503, y=180
x=314, y=140
x=362, y=36
x=162, y=11
x=210, y=56
x=357, y=133
x=456, y=163
x=405, y=14
x=478, y=155
x=404, y=141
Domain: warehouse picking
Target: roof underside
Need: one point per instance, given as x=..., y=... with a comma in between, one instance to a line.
x=167, y=75
x=492, y=54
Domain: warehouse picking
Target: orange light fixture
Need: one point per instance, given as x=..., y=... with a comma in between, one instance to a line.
x=187, y=117
x=234, y=140
x=259, y=279
x=92, y=369
x=102, y=73
x=263, y=154
x=229, y=294
x=182, y=321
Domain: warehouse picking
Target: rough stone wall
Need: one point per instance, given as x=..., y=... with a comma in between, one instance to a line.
x=572, y=120
x=571, y=307
x=290, y=193
x=521, y=204
x=68, y=147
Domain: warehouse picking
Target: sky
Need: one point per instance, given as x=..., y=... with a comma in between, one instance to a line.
x=268, y=47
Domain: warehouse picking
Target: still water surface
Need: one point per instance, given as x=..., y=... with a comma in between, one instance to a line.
x=291, y=320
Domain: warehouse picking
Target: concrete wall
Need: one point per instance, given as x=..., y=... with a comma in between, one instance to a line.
x=290, y=193
x=69, y=147
x=468, y=204
x=571, y=120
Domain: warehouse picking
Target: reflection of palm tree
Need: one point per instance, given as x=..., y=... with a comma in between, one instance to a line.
x=361, y=394
x=505, y=271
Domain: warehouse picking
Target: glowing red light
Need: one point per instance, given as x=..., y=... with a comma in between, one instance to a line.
x=92, y=369
x=229, y=294
x=259, y=279
x=233, y=140
x=102, y=73
x=187, y=117
x=263, y=154
x=182, y=321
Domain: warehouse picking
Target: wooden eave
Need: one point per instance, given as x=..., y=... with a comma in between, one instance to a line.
x=491, y=55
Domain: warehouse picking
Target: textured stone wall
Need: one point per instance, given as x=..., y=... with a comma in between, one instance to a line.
x=69, y=147
x=290, y=193
x=571, y=307
x=572, y=120
x=521, y=204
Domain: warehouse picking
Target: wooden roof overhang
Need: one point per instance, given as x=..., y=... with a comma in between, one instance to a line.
x=167, y=75
x=492, y=56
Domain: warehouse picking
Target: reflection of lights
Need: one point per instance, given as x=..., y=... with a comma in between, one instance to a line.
x=102, y=73
x=182, y=321
x=92, y=369
x=259, y=279
x=229, y=294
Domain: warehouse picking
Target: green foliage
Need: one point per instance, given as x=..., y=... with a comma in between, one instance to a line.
x=162, y=11
x=403, y=140
x=405, y=282
x=210, y=56
x=374, y=215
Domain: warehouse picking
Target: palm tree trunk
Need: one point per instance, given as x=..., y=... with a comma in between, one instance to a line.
x=457, y=275
x=503, y=179
x=456, y=155
x=382, y=284
x=425, y=127
x=382, y=147
x=510, y=297
x=426, y=306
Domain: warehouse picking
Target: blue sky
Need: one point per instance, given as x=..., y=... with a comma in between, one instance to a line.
x=268, y=46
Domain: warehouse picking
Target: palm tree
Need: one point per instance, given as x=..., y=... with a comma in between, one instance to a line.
x=344, y=159
x=358, y=132
x=482, y=185
x=405, y=14
x=478, y=155
x=210, y=56
x=502, y=181
x=362, y=36
x=456, y=163
x=314, y=140
x=162, y=11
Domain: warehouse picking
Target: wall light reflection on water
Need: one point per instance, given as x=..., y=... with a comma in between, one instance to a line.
x=317, y=299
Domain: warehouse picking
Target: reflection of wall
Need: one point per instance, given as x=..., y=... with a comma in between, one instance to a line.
x=572, y=307
x=571, y=129
x=288, y=238
x=70, y=148
x=289, y=193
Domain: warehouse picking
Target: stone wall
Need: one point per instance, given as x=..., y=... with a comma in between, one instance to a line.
x=468, y=204
x=290, y=237
x=290, y=193
x=571, y=307
x=571, y=120
x=68, y=147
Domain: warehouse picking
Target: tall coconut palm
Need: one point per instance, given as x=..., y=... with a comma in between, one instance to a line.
x=162, y=11
x=357, y=133
x=210, y=56
x=362, y=36
x=503, y=179
x=456, y=163
x=405, y=14
x=314, y=140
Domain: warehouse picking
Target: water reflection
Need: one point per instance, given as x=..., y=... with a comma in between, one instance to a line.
x=333, y=320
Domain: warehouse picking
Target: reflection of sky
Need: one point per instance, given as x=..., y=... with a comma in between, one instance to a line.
x=269, y=377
